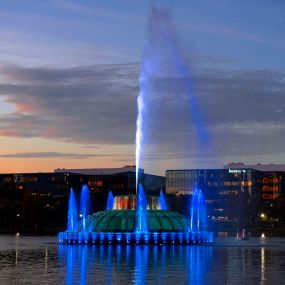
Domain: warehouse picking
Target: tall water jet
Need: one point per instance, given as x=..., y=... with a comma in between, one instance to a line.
x=72, y=213
x=141, y=226
x=162, y=201
x=84, y=205
x=198, y=211
x=110, y=201
x=166, y=91
x=146, y=71
x=139, y=137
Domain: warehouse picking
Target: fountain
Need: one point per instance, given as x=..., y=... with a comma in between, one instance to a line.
x=72, y=213
x=110, y=201
x=139, y=136
x=162, y=201
x=198, y=211
x=141, y=226
x=84, y=205
x=136, y=219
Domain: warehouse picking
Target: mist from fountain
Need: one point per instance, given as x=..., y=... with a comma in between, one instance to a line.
x=84, y=205
x=72, y=213
x=162, y=201
x=141, y=226
x=110, y=201
x=198, y=211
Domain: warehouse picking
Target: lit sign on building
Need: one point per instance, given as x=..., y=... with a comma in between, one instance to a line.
x=237, y=170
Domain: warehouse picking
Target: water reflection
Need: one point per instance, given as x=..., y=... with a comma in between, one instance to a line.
x=135, y=264
x=200, y=259
x=42, y=261
x=141, y=257
x=16, y=256
x=70, y=258
x=262, y=266
x=83, y=261
x=109, y=265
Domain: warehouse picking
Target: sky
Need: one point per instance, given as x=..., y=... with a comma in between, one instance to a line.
x=69, y=81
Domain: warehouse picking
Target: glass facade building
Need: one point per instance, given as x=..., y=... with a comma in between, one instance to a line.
x=234, y=197
x=269, y=185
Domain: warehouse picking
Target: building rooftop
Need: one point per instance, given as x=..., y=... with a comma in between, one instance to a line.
x=99, y=171
x=259, y=166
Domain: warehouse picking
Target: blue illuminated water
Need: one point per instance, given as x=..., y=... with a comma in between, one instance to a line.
x=40, y=260
x=162, y=201
x=198, y=213
x=141, y=226
x=141, y=255
x=84, y=205
x=72, y=217
x=110, y=201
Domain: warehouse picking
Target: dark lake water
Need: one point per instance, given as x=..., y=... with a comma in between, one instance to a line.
x=40, y=260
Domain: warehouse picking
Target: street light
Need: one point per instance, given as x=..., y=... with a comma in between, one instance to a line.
x=262, y=216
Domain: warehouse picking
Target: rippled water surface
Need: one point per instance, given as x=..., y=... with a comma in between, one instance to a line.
x=40, y=260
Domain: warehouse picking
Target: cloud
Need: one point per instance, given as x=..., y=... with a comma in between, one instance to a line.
x=97, y=105
x=90, y=146
x=57, y=155
x=82, y=105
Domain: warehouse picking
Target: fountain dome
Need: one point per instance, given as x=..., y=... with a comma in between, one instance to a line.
x=125, y=221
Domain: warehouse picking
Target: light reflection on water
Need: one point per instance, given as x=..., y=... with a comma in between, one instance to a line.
x=262, y=266
x=41, y=261
x=135, y=264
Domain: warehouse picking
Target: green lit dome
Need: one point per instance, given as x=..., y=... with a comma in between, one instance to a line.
x=125, y=221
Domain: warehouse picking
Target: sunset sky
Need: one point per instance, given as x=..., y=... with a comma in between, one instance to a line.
x=69, y=81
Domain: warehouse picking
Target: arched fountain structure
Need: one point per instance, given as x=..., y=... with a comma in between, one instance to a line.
x=137, y=219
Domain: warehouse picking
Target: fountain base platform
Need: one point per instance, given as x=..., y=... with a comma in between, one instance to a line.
x=136, y=238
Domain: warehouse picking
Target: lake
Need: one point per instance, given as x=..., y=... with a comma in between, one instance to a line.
x=40, y=260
